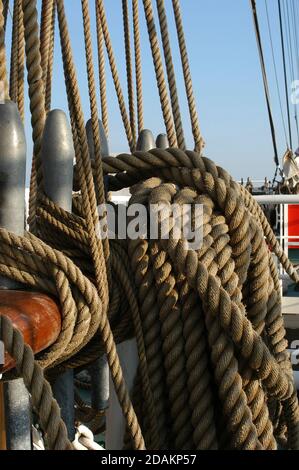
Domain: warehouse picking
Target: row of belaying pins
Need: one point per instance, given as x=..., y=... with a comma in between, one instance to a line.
x=57, y=157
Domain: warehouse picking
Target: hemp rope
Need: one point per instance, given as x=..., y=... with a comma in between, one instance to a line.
x=101, y=16
x=158, y=65
x=50, y=64
x=102, y=72
x=16, y=86
x=45, y=35
x=198, y=140
x=248, y=372
x=171, y=74
x=128, y=53
x=3, y=76
x=37, y=99
x=138, y=64
x=5, y=12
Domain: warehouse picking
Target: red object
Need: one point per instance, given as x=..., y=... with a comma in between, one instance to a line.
x=293, y=226
x=37, y=316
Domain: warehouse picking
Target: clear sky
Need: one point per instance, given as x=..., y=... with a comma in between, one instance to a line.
x=226, y=77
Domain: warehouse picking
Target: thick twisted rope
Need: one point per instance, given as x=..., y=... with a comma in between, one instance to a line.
x=128, y=53
x=171, y=75
x=3, y=76
x=50, y=64
x=138, y=64
x=233, y=280
x=94, y=118
x=158, y=65
x=17, y=58
x=89, y=209
x=5, y=12
x=213, y=367
x=102, y=72
x=102, y=17
x=37, y=98
x=198, y=140
x=55, y=433
x=45, y=35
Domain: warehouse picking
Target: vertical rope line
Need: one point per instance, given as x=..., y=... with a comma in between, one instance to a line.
x=48, y=85
x=119, y=93
x=5, y=12
x=130, y=84
x=21, y=62
x=16, y=88
x=82, y=155
x=45, y=35
x=171, y=75
x=161, y=82
x=94, y=119
x=102, y=72
x=37, y=99
x=198, y=140
x=13, y=80
x=3, y=76
x=138, y=65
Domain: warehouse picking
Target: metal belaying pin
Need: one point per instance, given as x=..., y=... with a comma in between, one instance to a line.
x=145, y=141
x=162, y=142
x=12, y=217
x=103, y=139
x=57, y=157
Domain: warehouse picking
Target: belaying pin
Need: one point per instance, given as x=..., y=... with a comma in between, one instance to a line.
x=12, y=218
x=145, y=141
x=162, y=142
x=57, y=156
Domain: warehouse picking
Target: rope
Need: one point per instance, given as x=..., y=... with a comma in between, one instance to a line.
x=102, y=18
x=94, y=120
x=3, y=76
x=161, y=83
x=138, y=65
x=37, y=100
x=171, y=75
x=102, y=73
x=198, y=140
x=50, y=64
x=5, y=12
x=130, y=84
x=95, y=247
x=214, y=372
x=17, y=58
x=232, y=357
x=232, y=272
x=45, y=35
x=46, y=407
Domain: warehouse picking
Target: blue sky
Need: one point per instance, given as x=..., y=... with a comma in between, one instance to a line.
x=226, y=78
